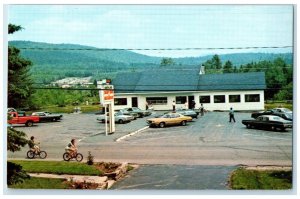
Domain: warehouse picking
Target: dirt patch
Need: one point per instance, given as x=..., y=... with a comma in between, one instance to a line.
x=81, y=185
x=107, y=167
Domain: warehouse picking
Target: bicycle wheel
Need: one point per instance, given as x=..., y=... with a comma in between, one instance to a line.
x=79, y=157
x=30, y=154
x=43, y=154
x=66, y=156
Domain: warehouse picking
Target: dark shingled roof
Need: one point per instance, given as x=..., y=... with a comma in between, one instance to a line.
x=186, y=80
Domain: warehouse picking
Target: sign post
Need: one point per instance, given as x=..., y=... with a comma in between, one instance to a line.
x=106, y=94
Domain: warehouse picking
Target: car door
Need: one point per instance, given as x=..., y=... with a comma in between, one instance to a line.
x=14, y=119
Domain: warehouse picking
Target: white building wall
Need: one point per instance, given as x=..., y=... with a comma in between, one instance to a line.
x=209, y=106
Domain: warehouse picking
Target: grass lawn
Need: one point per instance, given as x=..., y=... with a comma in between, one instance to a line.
x=260, y=180
x=58, y=167
x=41, y=183
x=278, y=104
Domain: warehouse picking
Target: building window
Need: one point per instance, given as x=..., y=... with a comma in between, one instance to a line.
x=157, y=100
x=120, y=101
x=252, y=98
x=234, y=98
x=180, y=99
x=204, y=99
x=219, y=98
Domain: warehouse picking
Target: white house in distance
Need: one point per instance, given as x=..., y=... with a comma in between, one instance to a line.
x=242, y=91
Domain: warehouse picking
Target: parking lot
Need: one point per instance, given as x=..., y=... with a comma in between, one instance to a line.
x=208, y=140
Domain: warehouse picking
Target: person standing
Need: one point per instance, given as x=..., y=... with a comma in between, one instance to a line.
x=186, y=105
x=193, y=104
x=173, y=105
x=231, y=115
x=202, y=110
x=147, y=105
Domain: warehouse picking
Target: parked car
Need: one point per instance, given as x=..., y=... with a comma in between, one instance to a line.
x=188, y=112
x=124, y=112
x=47, y=116
x=286, y=116
x=21, y=118
x=141, y=113
x=11, y=110
x=282, y=110
x=119, y=118
x=271, y=122
x=185, y=112
x=197, y=111
x=169, y=119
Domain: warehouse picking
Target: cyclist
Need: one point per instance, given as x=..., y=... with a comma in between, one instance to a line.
x=71, y=148
x=33, y=145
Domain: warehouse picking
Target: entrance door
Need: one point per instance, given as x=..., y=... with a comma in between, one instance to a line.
x=190, y=101
x=134, y=102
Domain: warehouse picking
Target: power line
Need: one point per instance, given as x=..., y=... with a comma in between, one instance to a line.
x=155, y=49
x=133, y=90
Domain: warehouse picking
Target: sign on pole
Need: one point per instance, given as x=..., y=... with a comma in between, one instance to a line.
x=106, y=94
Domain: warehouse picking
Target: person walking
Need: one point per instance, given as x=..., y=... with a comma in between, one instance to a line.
x=231, y=115
x=202, y=110
x=173, y=105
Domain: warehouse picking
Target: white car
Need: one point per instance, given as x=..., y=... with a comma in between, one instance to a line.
x=119, y=118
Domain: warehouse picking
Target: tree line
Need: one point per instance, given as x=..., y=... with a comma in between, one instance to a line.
x=279, y=74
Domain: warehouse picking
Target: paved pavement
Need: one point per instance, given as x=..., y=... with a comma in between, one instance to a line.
x=210, y=140
x=179, y=157
x=176, y=177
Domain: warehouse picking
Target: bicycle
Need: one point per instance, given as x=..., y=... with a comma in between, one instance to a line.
x=32, y=154
x=67, y=156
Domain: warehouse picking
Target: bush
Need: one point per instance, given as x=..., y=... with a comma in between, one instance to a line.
x=15, y=174
x=90, y=159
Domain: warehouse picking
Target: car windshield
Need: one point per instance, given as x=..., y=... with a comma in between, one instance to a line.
x=288, y=115
x=286, y=110
x=276, y=118
x=166, y=116
x=136, y=109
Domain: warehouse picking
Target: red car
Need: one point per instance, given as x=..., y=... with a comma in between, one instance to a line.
x=21, y=118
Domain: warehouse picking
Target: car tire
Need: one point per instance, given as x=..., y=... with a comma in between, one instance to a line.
x=29, y=123
x=248, y=126
x=162, y=125
x=183, y=123
x=121, y=121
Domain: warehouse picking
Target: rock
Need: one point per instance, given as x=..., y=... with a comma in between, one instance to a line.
x=110, y=183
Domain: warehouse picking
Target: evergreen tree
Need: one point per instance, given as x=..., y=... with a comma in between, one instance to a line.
x=19, y=80
x=18, y=90
x=216, y=61
x=167, y=62
x=228, y=68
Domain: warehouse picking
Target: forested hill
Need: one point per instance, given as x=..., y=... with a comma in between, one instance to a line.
x=56, y=61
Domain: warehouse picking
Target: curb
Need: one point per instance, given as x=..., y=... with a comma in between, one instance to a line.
x=130, y=134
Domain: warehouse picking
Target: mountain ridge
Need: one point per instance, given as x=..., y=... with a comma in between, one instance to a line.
x=55, y=61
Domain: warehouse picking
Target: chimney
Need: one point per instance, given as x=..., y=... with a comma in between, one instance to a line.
x=202, y=70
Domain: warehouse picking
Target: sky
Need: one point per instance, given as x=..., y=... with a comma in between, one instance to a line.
x=158, y=26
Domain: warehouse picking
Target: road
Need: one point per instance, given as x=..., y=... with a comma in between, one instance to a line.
x=210, y=140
